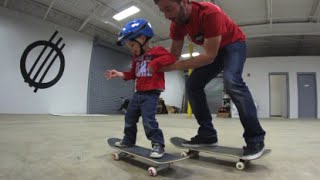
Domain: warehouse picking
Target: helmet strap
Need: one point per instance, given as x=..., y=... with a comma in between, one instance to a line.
x=141, y=45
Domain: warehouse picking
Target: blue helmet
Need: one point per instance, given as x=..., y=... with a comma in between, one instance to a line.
x=135, y=29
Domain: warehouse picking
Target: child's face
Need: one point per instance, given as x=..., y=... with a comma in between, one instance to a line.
x=133, y=46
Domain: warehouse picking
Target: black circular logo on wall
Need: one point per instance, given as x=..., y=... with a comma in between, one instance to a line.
x=37, y=69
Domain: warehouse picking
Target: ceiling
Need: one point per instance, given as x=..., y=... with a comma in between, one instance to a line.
x=273, y=27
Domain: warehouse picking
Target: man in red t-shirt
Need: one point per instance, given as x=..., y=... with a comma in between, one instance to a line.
x=224, y=47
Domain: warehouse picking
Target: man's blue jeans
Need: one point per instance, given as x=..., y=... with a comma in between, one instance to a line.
x=143, y=104
x=230, y=59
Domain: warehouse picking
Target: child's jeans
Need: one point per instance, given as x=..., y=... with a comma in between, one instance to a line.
x=143, y=104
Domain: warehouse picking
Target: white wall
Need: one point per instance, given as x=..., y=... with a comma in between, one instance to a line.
x=258, y=81
x=175, y=85
x=69, y=95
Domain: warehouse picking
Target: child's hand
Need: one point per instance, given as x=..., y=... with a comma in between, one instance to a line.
x=109, y=74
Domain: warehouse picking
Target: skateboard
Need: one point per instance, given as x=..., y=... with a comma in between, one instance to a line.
x=217, y=150
x=143, y=153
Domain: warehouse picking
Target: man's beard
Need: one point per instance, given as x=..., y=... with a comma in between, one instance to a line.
x=182, y=18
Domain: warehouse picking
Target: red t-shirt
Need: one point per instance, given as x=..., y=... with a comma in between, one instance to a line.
x=207, y=20
x=156, y=58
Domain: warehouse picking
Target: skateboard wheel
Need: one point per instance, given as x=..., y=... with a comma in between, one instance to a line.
x=193, y=154
x=152, y=171
x=115, y=156
x=240, y=165
x=184, y=154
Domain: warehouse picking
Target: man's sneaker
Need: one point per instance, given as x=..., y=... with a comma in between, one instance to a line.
x=157, y=151
x=252, y=151
x=122, y=144
x=197, y=142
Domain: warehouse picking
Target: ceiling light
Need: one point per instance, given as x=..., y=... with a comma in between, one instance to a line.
x=187, y=55
x=125, y=13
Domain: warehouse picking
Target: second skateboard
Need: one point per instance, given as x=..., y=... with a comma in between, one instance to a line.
x=216, y=150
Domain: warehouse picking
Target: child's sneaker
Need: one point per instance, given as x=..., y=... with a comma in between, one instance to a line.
x=252, y=151
x=121, y=144
x=157, y=151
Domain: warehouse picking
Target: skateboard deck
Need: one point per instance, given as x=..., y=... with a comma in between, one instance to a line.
x=143, y=153
x=216, y=150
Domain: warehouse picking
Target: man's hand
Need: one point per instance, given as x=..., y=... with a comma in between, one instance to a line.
x=109, y=74
x=211, y=47
x=150, y=69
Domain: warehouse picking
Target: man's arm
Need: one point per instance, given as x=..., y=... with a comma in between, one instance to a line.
x=211, y=47
x=176, y=48
x=161, y=61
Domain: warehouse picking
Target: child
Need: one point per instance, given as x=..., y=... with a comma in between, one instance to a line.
x=150, y=83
